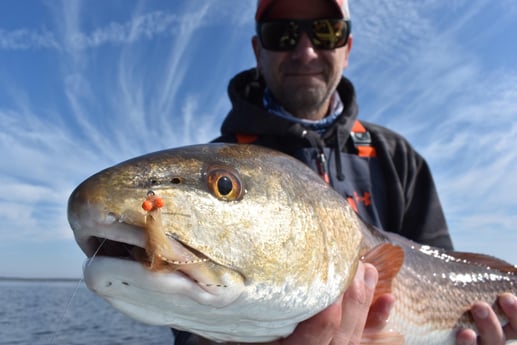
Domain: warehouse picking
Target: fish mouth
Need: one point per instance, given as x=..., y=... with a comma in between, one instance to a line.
x=133, y=249
x=113, y=237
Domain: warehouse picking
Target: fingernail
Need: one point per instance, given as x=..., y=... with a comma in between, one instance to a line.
x=370, y=277
x=480, y=312
x=507, y=299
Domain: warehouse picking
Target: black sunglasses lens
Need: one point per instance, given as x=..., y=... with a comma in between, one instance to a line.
x=329, y=34
x=283, y=35
x=280, y=35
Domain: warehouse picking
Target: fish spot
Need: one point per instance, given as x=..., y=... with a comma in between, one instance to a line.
x=125, y=283
x=108, y=284
x=176, y=180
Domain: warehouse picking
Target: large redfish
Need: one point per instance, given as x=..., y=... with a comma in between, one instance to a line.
x=241, y=243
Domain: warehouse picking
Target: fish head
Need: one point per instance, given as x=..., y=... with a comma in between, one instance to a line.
x=246, y=235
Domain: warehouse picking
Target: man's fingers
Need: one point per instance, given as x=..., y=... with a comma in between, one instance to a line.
x=356, y=303
x=379, y=312
x=508, y=303
x=489, y=328
x=466, y=337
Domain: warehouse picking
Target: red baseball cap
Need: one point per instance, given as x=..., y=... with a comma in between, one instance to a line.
x=341, y=7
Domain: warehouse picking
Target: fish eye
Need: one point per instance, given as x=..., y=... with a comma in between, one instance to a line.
x=224, y=183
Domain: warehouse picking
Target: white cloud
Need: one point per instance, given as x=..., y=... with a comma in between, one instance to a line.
x=40, y=165
x=156, y=78
x=472, y=147
x=101, y=121
x=145, y=26
x=22, y=39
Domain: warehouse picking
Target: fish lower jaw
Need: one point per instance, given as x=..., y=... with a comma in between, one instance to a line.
x=174, y=300
x=129, y=282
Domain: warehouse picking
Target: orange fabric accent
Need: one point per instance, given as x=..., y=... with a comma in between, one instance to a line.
x=366, y=198
x=363, y=151
x=352, y=203
x=246, y=138
x=358, y=127
x=366, y=151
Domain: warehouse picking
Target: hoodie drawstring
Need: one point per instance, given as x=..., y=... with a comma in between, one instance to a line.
x=315, y=140
x=340, y=135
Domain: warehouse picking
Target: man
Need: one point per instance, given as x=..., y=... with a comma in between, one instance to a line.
x=298, y=102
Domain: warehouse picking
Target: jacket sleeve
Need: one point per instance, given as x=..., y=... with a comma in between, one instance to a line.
x=415, y=209
x=423, y=218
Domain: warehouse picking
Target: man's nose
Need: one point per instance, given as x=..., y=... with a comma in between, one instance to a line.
x=304, y=50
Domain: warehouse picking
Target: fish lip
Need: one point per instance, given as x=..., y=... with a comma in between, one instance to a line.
x=115, y=236
x=114, y=279
x=92, y=236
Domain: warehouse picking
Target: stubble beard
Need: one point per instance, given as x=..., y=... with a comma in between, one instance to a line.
x=305, y=102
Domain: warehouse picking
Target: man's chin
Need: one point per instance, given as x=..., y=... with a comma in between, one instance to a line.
x=302, y=104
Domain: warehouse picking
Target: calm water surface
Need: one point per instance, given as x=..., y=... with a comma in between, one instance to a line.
x=67, y=313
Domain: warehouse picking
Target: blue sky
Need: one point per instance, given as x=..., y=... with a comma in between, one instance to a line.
x=87, y=84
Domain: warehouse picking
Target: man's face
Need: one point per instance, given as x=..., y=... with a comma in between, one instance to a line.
x=303, y=79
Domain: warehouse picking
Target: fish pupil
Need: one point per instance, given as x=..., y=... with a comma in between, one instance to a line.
x=224, y=185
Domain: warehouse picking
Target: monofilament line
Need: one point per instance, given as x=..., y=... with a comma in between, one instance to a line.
x=58, y=327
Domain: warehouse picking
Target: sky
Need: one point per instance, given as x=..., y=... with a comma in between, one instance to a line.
x=87, y=84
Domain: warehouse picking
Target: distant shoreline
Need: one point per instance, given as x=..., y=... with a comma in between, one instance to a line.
x=38, y=280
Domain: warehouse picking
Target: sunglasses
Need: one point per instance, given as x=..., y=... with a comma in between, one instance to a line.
x=284, y=35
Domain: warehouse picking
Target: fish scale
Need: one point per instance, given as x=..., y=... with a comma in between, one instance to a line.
x=249, y=242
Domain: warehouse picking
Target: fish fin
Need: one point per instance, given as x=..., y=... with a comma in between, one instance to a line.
x=388, y=260
x=485, y=261
x=383, y=338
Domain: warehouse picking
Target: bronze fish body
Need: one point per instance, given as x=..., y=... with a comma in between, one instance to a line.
x=250, y=242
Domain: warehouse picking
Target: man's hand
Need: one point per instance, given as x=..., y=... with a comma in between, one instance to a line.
x=490, y=331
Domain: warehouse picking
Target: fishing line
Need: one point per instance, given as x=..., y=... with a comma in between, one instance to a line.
x=59, y=324
x=96, y=252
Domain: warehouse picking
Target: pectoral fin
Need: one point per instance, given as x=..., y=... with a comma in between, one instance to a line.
x=388, y=260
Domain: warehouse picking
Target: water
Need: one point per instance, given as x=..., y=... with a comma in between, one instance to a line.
x=43, y=313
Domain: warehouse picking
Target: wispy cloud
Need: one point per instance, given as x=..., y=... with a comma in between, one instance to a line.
x=155, y=77
x=108, y=112
x=37, y=167
x=141, y=26
x=21, y=39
